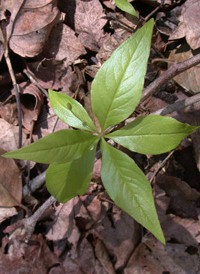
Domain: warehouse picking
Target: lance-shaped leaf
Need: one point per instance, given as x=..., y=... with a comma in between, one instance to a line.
x=67, y=180
x=59, y=147
x=70, y=111
x=129, y=188
x=126, y=6
x=152, y=134
x=116, y=89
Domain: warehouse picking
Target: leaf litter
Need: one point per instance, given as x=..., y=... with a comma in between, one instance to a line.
x=63, y=50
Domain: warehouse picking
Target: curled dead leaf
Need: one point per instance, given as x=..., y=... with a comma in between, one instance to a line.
x=31, y=103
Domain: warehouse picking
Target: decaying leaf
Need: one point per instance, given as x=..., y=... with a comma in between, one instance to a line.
x=31, y=26
x=10, y=182
x=28, y=258
x=31, y=103
x=189, y=79
x=63, y=45
x=9, y=136
x=8, y=112
x=49, y=73
x=152, y=257
x=189, y=24
x=6, y=213
x=89, y=23
x=47, y=123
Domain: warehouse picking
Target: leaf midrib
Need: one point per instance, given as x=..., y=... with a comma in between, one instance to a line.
x=121, y=81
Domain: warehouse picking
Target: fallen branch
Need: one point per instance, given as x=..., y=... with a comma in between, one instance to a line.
x=174, y=69
x=34, y=184
x=179, y=105
x=30, y=223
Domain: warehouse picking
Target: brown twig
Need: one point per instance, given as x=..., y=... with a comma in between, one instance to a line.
x=173, y=70
x=179, y=105
x=161, y=165
x=30, y=223
x=34, y=184
x=15, y=86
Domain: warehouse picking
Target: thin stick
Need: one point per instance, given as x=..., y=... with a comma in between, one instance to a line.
x=15, y=86
x=162, y=164
x=179, y=105
x=30, y=223
x=34, y=184
x=173, y=70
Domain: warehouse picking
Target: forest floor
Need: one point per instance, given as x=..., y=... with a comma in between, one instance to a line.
x=60, y=45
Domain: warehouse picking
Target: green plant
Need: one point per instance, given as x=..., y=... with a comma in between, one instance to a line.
x=115, y=93
x=127, y=7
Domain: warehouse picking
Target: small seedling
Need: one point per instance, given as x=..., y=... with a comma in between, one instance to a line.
x=115, y=93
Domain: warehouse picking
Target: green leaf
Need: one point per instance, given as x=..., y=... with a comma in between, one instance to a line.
x=129, y=188
x=126, y=6
x=59, y=147
x=152, y=134
x=116, y=89
x=67, y=180
x=70, y=111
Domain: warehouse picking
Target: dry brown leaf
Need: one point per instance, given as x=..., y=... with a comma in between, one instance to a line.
x=31, y=103
x=189, y=26
x=97, y=170
x=8, y=112
x=154, y=258
x=31, y=26
x=119, y=237
x=189, y=79
x=103, y=256
x=13, y=7
x=28, y=258
x=47, y=123
x=63, y=45
x=111, y=42
x=10, y=182
x=49, y=73
x=64, y=225
x=185, y=231
x=89, y=23
x=184, y=200
x=9, y=136
x=6, y=213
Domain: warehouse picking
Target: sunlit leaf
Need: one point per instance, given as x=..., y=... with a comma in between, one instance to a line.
x=129, y=189
x=152, y=134
x=59, y=147
x=126, y=6
x=67, y=180
x=116, y=89
x=70, y=111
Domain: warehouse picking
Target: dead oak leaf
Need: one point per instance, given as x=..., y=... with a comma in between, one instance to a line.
x=189, y=24
x=31, y=103
x=89, y=23
x=32, y=25
x=63, y=45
